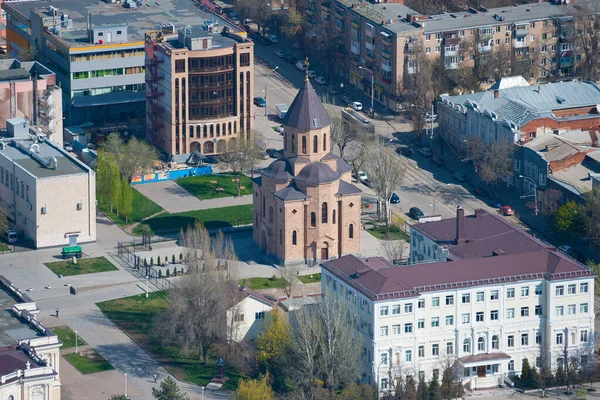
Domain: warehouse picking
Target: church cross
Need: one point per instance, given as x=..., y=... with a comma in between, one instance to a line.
x=306, y=64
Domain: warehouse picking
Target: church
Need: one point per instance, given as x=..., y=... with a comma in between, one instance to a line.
x=305, y=207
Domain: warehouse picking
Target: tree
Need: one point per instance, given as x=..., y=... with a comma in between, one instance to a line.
x=417, y=87
x=544, y=379
x=294, y=24
x=125, y=203
x=115, y=191
x=526, y=371
x=410, y=389
x=342, y=133
x=567, y=217
x=257, y=10
x=289, y=272
x=3, y=222
x=133, y=157
x=118, y=397
x=272, y=343
x=254, y=389
x=242, y=153
x=394, y=250
x=434, y=389
x=586, y=36
x=359, y=391
x=560, y=377
x=385, y=174
x=590, y=216
x=448, y=386
x=549, y=201
x=422, y=390
x=495, y=162
x=168, y=390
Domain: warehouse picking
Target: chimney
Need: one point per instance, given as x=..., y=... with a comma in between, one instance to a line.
x=496, y=93
x=461, y=236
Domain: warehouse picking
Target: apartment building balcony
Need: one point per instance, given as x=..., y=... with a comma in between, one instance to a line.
x=325, y=7
x=355, y=25
x=566, y=62
x=485, y=36
x=450, y=52
x=386, y=52
x=370, y=46
x=340, y=13
x=370, y=57
x=355, y=47
x=310, y=11
x=484, y=49
x=451, y=65
x=386, y=67
x=521, y=44
x=521, y=32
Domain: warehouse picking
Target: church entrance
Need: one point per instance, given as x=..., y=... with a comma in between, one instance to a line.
x=324, y=253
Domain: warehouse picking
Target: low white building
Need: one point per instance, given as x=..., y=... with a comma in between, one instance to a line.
x=488, y=313
x=48, y=195
x=249, y=316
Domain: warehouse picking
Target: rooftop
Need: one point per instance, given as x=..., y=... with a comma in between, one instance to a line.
x=378, y=279
x=307, y=111
x=558, y=147
x=577, y=176
x=13, y=329
x=138, y=20
x=12, y=69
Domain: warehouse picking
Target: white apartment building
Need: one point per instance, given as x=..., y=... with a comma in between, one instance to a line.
x=488, y=313
x=48, y=196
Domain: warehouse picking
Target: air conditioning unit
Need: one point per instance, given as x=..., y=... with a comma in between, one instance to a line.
x=44, y=210
x=79, y=206
x=29, y=206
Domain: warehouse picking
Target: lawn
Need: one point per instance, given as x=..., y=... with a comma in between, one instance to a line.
x=88, y=362
x=264, y=283
x=67, y=337
x=202, y=186
x=312, y=278
x=391, y=233
x=214, y=218
x=134, y=316
x=142, y=208
x=83, y=266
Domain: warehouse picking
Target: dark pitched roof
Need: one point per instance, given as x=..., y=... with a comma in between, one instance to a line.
x=342, y=165
x=317, y=172
x=378, y=279
x=278, y=169
x=307, y=111
x=12, y=359
x=485, y=233
x=290, y=193
x=237, y=293
x=257, y=180
x=347, y=188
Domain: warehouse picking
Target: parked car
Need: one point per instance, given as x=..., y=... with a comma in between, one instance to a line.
x=235, y=21
x=367, y=183
x=264, y=155
x=260, y=102
x=415, y=213
x=272, y=153
x=425, y=151
x=280, y=53
x=459, y=177
x=291, y=59
x=272, y=38
x=405, y=151
x=438, y=161
x=279, y=129
x=506, y=211
x=312, y=74
x=362, y=176
x=394, y=199
x=566, y=249
x=300, y=66
x=480, y=192
x=68, y=147
x=321, y=80
x=356, y=106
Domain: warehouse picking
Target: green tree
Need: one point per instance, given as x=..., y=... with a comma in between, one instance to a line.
x=560, y=377
x=422, y=390
x=525, y=370
x=254, y=389
x=168, y=390
x=448, y=386
x=434, y=389
x=293, y=24
x=118, y=397
x=115, y=191
x=359, y=391
x=274, y=340
x=410, y=389
x=133, y=157
x=126, y=206
x=566, y=218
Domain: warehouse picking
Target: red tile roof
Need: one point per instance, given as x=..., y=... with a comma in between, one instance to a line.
x=485, y=233
x=379, y=279
x=12, y=359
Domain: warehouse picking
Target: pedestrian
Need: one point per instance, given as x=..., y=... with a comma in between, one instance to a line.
x=155, y=377
x=57, y=311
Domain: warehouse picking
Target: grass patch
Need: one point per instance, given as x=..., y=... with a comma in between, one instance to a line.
x=312, y=278
x=214, y=218
x=201, y=186
x=142, y=208
x=264, y=283
x=388, y=233
x=83, y=266
x=88, y=362
x=134, y=316
x=67, y=337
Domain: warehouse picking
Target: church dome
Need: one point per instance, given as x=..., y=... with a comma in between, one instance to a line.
x=307, y=111
x=278, y=169
x=317, y=172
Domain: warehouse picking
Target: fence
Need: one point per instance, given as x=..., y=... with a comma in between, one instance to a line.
x=170, y=175
x=137, y=268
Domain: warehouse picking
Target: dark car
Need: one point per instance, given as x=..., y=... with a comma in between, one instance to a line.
x=394, y=199
x=438, y=161
x=272, y=153
x=415, y=213
x=480, y=192
x=260, y=102
x=405, y=151
x=290, y=58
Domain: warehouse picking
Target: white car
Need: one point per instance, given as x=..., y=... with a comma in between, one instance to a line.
x=68, y=147
x=362, y=176
x=312, y=74
x=272, y=38
x=356, y=105
x=279, y=129
x=321, y=80
x=279, y=53
x=300, y=66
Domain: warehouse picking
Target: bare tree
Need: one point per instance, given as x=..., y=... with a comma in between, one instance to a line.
x=544, y=379
x=242, y=154
x=357, y=153
x=258, y=11
x=385, y=174
x=587, y=39
x=289, y=272
x=342, y=134
x=550, y=200
x=417, y=86
x=394, y=250
x=492, y=161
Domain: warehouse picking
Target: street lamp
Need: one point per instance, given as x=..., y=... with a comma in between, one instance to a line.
x=378, y=383
x=147, y=279
x=266, y=76
x=126, y=385
x=202, y=392
x=76, y=342
x=372, y=88
x=534, y=192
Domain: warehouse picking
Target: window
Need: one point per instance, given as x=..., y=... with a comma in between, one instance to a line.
x=510, y=293
x=480, y=296
x=466, y=318
x=583, y=336
x=571, y=309
x=572, y=289
x=435, y=322
x=179, y=66
x=435, y=302
x=315, y=144
x=421, y=303
x=435, y=349
x=479, y=317
x=511, y=341
x=494, y=315
x=538, y=310
x=511, y=365
x=449, y=300
x=427, y=37
x=559, y=311
x=421, y=324
x=559, y=290
x=333, y=217
x=481, y=344
x=427, y=50
x=583, y=288
x=303, y=144
x=421, y=351
x=494, y=295
x=396, y=309
x=259, y=315
x=408, y=308
x=583, y=308
x=324, y=213
x=324, y=142
x=383, y=331
x=313, y=219
x=559, y=338
x=507, y=40
x=396, y=329
x=495, y=342
x=510, y=313
x=449, y=319
x=524, y=311
x=466, y=298
x=408, y=328
x=270, y=214
x=384, y=358
x=538, y=337
x=408, y=356
x=438, y=49
x=383, y=311
x=351, y=231
x=524, y=339
x=449, y=348
x=294, y=238
x=467, y=346
x=238, y=317
x=525, y=291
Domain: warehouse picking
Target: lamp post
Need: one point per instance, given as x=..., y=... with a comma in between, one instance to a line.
x=147, y=279
x=76, y=349
x=202, y=392
x=266, y=76
x=378, y=383
x=372, y=88
x=534, y=192
x=126, y=384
